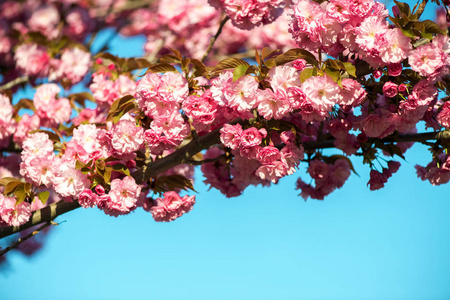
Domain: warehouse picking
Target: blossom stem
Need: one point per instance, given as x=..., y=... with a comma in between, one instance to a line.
x=214, y=38
x=13, y=83
x=31, y=234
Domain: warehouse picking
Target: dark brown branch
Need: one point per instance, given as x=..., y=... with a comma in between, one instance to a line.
x=184, y=154
x=404, y=138
x=46, y=214
x=13, y=83
x=214, y=38
x=31, y=234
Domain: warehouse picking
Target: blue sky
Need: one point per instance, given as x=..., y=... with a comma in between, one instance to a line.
x=267, y=244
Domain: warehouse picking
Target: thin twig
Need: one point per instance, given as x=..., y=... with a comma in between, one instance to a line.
x=130, y=5
x=214, y=38
x=21, y=240
x=14, y=82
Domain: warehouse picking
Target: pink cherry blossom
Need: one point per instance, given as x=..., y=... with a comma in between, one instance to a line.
x=390, y=89
x=443, y=116
x=121, y=198
x=426, y=59
x=12, y=215
x=127, y=137
x=32, y=59
x=230, y=135
x=68, y=181
x=273, y=105
x=87, y=198
x=322, y=92
x=251, y=137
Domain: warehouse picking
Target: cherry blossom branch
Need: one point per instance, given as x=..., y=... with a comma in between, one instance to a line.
x=12, y=148
x=46, y=214
x=130, y=5
x=214, y=38
x=443, y=136
x=13, y=83
x=21, y=240
x=184, y=154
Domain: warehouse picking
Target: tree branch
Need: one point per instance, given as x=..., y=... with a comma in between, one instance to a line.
x=184, y=154
x=214, y=38
x=14, y=82
x=31, y=234
x=46, y=214
x=442, y=136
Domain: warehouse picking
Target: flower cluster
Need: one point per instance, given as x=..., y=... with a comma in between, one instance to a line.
x=137, y=140
x=171, y=206
x=327, y=177
x=246, y=14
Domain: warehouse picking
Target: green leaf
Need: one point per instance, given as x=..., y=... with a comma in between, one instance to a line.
x=107, y=174
x=185, y=63
x=432, y=27
x=294, y=54
x=81, y=97
x=123, y=110
x=408, y=33
x=200, y=68
x=334, y=74
x=100, y=164
x=137, y=63
x=84, y=168
x=37, y=37
x=25, y=103
x=333, y=64
x=43, y=196
x=20, y=194
x=119, y=102
x=350, y=68
x=270, y=63
x=177, y=53
x=5, y=180
x=258, y=57
x=120, y=107
x=12, y=186
x=121, y=168
x=170, y=59
x=79, y=164
x=229, y=63
x=403, y=7
x=143, y=63
x=267, y=52
x=306, y=73
x=239, y=72
x=172, y=182
x=161, y=68
x=107, y=55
